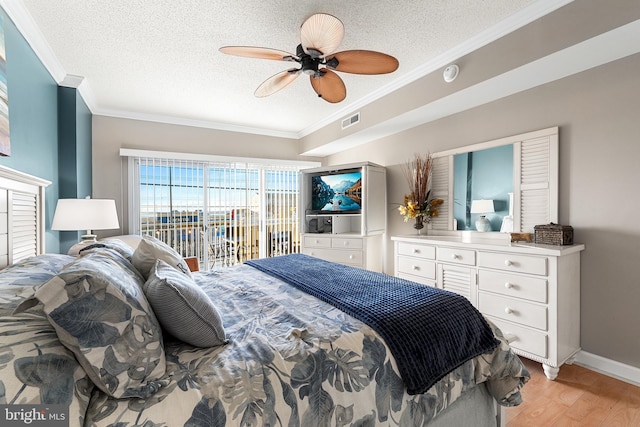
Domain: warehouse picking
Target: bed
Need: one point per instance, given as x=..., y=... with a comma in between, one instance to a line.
x=130, y=337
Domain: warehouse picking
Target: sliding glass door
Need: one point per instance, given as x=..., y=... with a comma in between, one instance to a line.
x=223, y=213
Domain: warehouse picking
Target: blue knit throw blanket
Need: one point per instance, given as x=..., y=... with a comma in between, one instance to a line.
x=429, y=331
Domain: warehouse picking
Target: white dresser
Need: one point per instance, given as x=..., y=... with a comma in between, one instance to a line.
x=353, y=250
x=531, y=292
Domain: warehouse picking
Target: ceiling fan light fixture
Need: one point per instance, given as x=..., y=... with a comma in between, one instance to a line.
x=450, y=73
x=320, y=36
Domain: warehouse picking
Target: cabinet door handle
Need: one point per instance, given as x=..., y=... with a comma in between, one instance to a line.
x=507, y=263
x=508, y=285
x=509, y=310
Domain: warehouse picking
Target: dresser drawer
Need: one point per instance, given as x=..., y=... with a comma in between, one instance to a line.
x=523, y=339
x=457, y=256
x=317, y=242
x=417, y=267
x=514, y=310
x=418, y=279
x=513, y=262
x=346, y=243
x=337, y=255
x=526, y=287
x=417, y=250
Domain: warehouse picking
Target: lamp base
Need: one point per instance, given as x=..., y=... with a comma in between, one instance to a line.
x=483, y=224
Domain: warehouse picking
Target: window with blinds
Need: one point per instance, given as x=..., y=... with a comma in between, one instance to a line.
x=222, y=212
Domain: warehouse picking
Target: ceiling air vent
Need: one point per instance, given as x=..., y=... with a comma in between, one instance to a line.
x=350, y=121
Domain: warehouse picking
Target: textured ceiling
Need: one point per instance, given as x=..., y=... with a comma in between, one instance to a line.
x=159, y=58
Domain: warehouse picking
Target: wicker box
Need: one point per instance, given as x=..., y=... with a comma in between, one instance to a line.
x=553, y=234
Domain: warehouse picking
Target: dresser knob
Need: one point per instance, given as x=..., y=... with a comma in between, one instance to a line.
x=416, y=251
x=317, y=241
x=508, y=263
x=346, y=243
x=508, y=310
x=454, y=256
x=508, y=285
x=415, y=267
x=351, y=257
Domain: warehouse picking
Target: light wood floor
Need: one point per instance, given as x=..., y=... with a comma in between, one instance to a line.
x=578, y=397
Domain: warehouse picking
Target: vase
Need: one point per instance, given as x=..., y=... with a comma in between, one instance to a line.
x=419, y=225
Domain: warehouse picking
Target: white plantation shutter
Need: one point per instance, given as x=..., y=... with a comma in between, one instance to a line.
x=21, y=215
x=24, y=226
x=440, y=189
x=538, y=159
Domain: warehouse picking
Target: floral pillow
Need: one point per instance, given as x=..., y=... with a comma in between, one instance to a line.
x=20, y=280
x=99, y=312
x=151, y=249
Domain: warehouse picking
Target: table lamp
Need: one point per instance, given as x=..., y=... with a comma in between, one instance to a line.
x=482, y=207
x=85, y=214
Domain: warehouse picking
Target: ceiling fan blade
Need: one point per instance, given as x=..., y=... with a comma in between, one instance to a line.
x=363, y=62
x=321, y=34
x=258, y=52
x=277, y=82
x=329, y=86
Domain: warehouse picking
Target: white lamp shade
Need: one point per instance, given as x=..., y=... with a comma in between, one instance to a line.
x=85, y=214
x=482, y=206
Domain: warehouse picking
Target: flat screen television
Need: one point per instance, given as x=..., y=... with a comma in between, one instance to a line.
x=339, y=192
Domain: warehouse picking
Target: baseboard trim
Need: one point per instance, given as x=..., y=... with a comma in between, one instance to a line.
x=626, y=373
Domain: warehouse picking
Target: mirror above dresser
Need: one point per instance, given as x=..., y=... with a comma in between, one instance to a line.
x=512, y=182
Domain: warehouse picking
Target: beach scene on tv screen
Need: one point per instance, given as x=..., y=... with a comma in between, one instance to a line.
x=337, y=193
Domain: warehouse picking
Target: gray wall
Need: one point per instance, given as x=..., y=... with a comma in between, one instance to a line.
x=110, y=134
x=598, y=112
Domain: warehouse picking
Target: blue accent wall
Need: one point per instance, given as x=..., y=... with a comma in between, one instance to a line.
x=34, y=112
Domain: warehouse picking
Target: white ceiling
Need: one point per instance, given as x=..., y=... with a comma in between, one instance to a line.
x=159, y=59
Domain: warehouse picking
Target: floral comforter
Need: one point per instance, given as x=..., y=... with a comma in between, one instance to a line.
x=291, y=360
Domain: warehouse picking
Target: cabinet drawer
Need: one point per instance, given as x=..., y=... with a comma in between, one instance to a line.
x=345, y=243
x=527, y=287
x=336, y=255
x=514, y=310
x=513, y=262
x=457, y=256
x=417, y=250
x=524, y=339
x=419, y=279
x=317, y=242
x=417, y=267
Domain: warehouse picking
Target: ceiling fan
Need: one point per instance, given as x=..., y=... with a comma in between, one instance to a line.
x=320, y=35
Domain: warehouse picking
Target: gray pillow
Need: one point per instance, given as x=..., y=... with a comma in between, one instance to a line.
x=150, y=249
x=99, y=311
x=183, y=309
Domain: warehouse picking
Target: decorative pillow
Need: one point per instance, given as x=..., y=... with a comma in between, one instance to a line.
x=150, y=249
x=129, y=239
x=116, y=245
x=20, y=280
x=99, y=311
x=183, y=308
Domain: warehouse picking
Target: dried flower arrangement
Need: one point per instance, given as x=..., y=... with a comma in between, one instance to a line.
x=417, y=204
